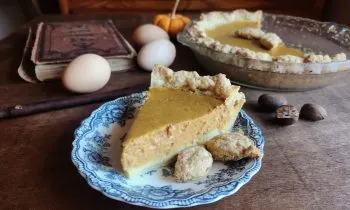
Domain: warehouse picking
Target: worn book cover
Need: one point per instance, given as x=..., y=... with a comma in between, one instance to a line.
x=59, y=42
x=55, y=44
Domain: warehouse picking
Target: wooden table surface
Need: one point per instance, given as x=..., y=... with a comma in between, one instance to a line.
x=306, y=166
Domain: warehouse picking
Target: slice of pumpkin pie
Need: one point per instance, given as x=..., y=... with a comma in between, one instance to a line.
x=182, y=109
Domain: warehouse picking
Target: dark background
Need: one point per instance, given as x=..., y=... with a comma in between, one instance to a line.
x=14, y=13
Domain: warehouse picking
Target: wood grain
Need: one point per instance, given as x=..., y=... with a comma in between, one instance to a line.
x=306, y=8
x=305, y=166
x=64, y=6
x=67, y=102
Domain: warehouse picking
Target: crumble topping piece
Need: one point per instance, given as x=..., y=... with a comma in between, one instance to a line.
x=234, y=50
x=208, y=42
x=212, y=19
x=263, y=56
x=288, y=59
x=232, y=146
x=192, y=164
x=270, y=41
x=313, y=58
x=254, y=55
x=249, y=33
x=339, y=57
x=246, y=53
x=226, y=48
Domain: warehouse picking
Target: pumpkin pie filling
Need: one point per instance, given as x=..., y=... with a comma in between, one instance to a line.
x=184, y=105
x=223, y=34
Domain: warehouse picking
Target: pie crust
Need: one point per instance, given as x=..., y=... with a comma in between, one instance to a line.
x=218, y=85
x=192, y=164
x=232, y=146
x=270, y=40
x=249, y=33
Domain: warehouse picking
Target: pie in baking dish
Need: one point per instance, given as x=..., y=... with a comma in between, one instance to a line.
x=239, y=32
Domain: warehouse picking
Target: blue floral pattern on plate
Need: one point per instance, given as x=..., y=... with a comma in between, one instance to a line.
x=96, y=154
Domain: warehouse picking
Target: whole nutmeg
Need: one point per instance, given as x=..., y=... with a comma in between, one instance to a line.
x=313, y=112
x=287, y=115
x=271, y=102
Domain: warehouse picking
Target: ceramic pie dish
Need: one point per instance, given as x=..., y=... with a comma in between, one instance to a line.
x=301, y=33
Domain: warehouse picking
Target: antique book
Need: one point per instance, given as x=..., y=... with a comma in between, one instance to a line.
x=58, y=43
x=25, y=69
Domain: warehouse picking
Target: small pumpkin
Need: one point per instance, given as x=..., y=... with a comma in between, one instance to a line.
x=172, y=23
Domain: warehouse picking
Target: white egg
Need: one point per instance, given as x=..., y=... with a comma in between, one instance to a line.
x=156, y=52
x=86, y=73
x=148, y=33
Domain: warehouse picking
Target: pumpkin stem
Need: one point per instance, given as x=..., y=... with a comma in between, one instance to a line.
x=174, y=9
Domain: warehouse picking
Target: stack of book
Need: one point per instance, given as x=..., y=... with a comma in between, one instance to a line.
x=58, y=43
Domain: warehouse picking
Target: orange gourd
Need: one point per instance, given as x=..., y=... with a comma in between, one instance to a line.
x=172, y=23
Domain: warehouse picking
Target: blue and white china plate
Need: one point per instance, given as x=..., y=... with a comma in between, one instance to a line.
x=96, y=154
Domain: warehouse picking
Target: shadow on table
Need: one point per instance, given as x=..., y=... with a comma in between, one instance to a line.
x=65, y=182
x=253, y=109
